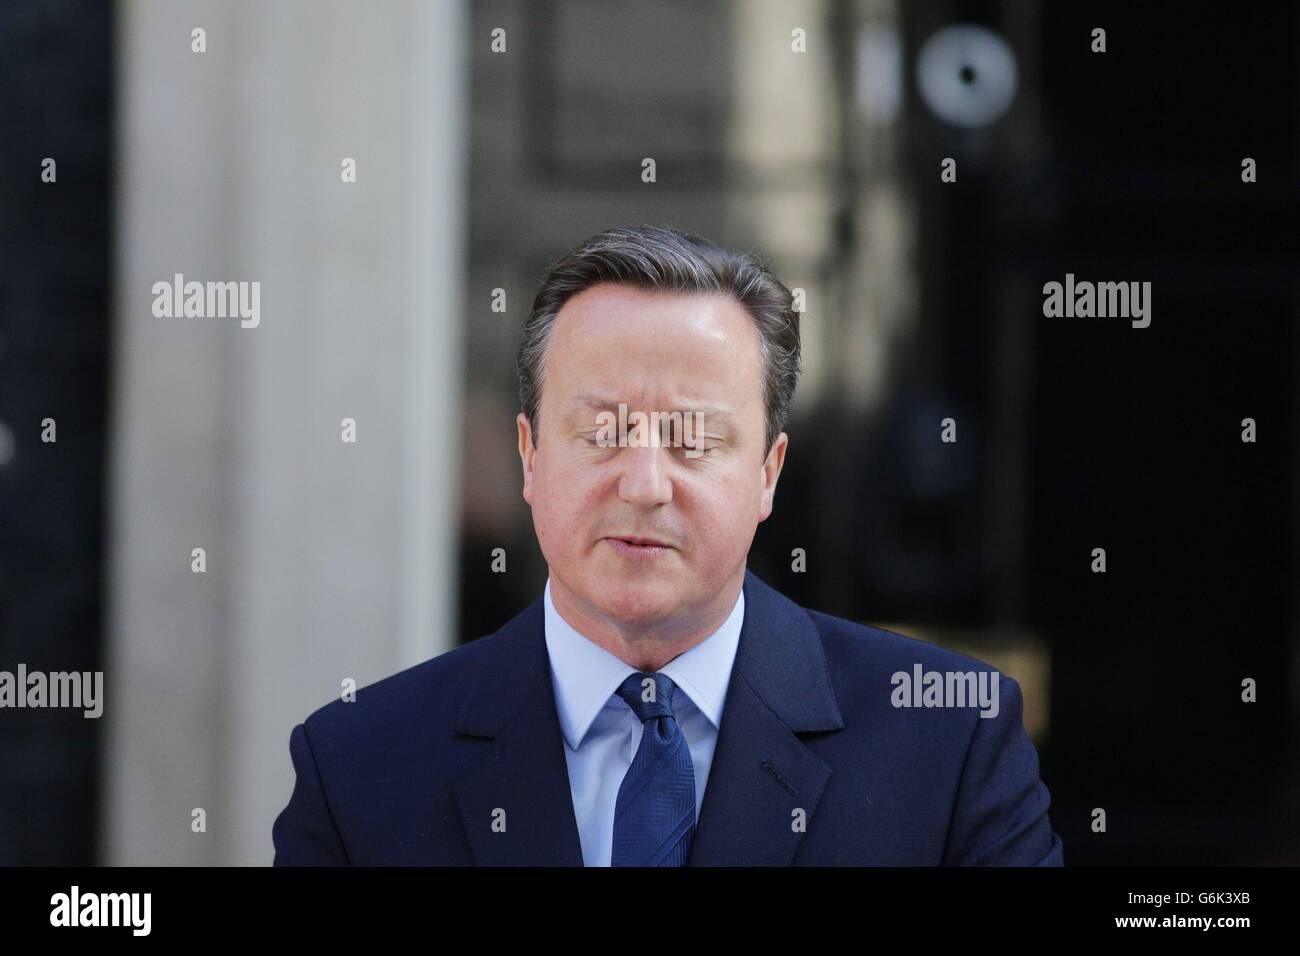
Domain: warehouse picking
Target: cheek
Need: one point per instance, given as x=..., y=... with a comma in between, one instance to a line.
x=723, y=509
x=562, y=499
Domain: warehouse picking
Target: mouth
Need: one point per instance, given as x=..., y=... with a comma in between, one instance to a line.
x=639, y=548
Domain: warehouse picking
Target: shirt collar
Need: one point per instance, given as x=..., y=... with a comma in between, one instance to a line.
x=585, y=675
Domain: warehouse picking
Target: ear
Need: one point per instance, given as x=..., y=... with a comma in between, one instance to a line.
x=772, y=466
x=526, y=451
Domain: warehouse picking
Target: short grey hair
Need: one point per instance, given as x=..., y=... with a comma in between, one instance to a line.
x=665, y=258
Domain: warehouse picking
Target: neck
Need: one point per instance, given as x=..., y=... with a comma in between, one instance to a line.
x=648, y=647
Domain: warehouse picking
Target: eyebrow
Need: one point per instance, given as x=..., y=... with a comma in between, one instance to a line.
x=711, y=412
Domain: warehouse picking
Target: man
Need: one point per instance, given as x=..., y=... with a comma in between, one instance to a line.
x=658, y=704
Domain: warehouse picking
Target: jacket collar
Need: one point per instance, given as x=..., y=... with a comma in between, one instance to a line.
x=515, y=803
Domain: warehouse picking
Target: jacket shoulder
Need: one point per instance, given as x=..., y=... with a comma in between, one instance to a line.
x=424, y=696
x=868, y=645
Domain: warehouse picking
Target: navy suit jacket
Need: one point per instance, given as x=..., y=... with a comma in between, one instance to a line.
x=416, y=770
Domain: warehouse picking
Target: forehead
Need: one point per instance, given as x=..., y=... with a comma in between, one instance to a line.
x=620, y=337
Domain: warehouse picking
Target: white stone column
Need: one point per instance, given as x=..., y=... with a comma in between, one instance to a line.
x=325, y=560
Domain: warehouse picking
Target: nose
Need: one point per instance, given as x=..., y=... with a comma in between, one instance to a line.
x=646, y=480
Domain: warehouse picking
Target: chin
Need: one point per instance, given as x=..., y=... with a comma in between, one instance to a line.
x=638, y=603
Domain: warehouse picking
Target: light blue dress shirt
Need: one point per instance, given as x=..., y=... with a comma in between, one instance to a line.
x=601, y=733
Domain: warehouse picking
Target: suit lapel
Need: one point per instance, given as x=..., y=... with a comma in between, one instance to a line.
x=761, y=774
x=516, y=806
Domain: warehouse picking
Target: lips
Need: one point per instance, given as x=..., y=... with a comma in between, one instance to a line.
x=640, y=549
x=645, y=542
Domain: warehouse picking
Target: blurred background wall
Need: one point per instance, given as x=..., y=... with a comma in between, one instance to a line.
x=490, y=137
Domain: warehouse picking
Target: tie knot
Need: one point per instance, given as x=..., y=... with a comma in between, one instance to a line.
x=648, y=694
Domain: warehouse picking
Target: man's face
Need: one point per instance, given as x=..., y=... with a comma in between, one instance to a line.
x=655, y=352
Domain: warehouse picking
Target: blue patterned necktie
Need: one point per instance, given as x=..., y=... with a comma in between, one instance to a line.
x=654, y=815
